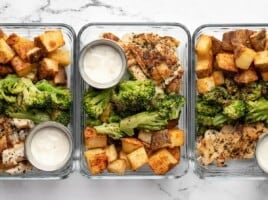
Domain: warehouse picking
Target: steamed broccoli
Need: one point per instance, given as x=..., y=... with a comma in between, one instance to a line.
x=251, y=91
x=7, y=85
x=207, y=109
x=257, y=110
x=151, y=121
x=216, y=121
x=231, y=86
x=112, y=130
x=93, y=122
x=60, y=97
x=216, y=95
x=133, y=96
x=61, y=116
x=235, y=109
x=95, y=101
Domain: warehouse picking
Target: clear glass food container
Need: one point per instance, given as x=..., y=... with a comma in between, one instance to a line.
x=92, y=32
x=243, y=168
x=30, y=31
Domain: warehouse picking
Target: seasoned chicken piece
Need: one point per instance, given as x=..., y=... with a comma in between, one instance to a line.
x=23, y=123
x=48, y=68
x=5, y=70
x=110, y=36
x=12, y=156
x=258, y=40
x=22, y=167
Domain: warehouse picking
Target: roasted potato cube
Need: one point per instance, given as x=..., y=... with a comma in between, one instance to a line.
x=216, y=45
x=33, y=74
x=5, y=70
x=145, y=136
x=20, y=67
x=258, y=40
x=34, y=55
x=160, y=139
x=111, y=153
x=50, y=40
x=246, y=76
x=137, y=158
x=161, y=161
x=3, y=143
x=21, y=45
x=204, y=85
x=264, y=76
x=176, y=136
x=48, y=68
x=6, y=53
x=60, y=78
x=61, y=56
x=244, y=57
x=203, y=45
x=176, y=153
x=218, y=77
x=225, y=61
x=130, y=144
x=94, y=140
x=204, y=65
x=118, y=167
x=97, y=160
x=261, y=60
x=123, y=156
x=3, y=34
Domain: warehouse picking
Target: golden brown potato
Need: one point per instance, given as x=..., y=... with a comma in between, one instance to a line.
x=50, y=40
x=61, y=56
x=258, y=40
x=137, y=158
x=261, y=60
x=160, y=139
x=130, y=144
x=218, y=77
x=3, y=143
x=204, y=65
x=20, y=67
x=204, y=85
x=123, y=156
x=225, y=61
x=203, y=45
x=162, y=161
x=244, y=57
x=216, y=45
x=176, y=153
x=6, y=53
x=111, y=153
x=34, y=55
x=264, y=76
x=3, y=34
x=145, y=136
x=118, y=167
x=246, y=76
x=97, y=160
x=48, y=68
x=176, y=136
x=60, y=77
x=5, y=70
x=94, y=140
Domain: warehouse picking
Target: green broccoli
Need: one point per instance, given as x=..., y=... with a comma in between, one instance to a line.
x=217, y=121
x=61, y=116
x=251, y=91
x=169, y=105
x=112, y=130
x=257, y=110
x=93, y=122
x=133, y=96
x=36, y=116
x=235, y=109
x=7, y=85
x=113, y=117
x=231, y=86
x=207, y=109
x=61, y=97
x=95, y=101
x=217, y=95
x=151, y=121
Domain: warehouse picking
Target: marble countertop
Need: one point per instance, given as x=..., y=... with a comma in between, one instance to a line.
x=191, y=13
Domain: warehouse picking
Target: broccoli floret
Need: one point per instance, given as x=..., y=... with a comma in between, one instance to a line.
x=7, y=85
x=257, y=110
x=95, y=101
x=235, y=109
x=217, y=121
x=61, y=97
x=151, y=121
x=170, y=105
x=113, y=117
x=251, y=91
x=93, y=122
x=61, y=116
x=207, y=109
x=216, y=95
x=264, y=89
x=133, y=96
x=112, y=130
x=231, y=86
x=36, y=116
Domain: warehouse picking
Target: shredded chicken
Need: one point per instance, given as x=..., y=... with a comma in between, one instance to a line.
x=229, y=143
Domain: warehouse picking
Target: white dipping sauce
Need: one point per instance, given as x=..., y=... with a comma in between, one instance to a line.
x=50, y=147
x=262, y=154
x=102, y=64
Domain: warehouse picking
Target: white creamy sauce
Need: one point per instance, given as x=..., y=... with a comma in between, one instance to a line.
x=50, y=147
x=262, y=154
x=102, y=64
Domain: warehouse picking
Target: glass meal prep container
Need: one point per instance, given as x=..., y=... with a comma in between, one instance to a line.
x=242, y=168
x=30, y=31
x=91, y=32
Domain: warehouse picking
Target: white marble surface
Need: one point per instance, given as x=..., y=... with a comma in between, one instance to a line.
x=192, y=13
